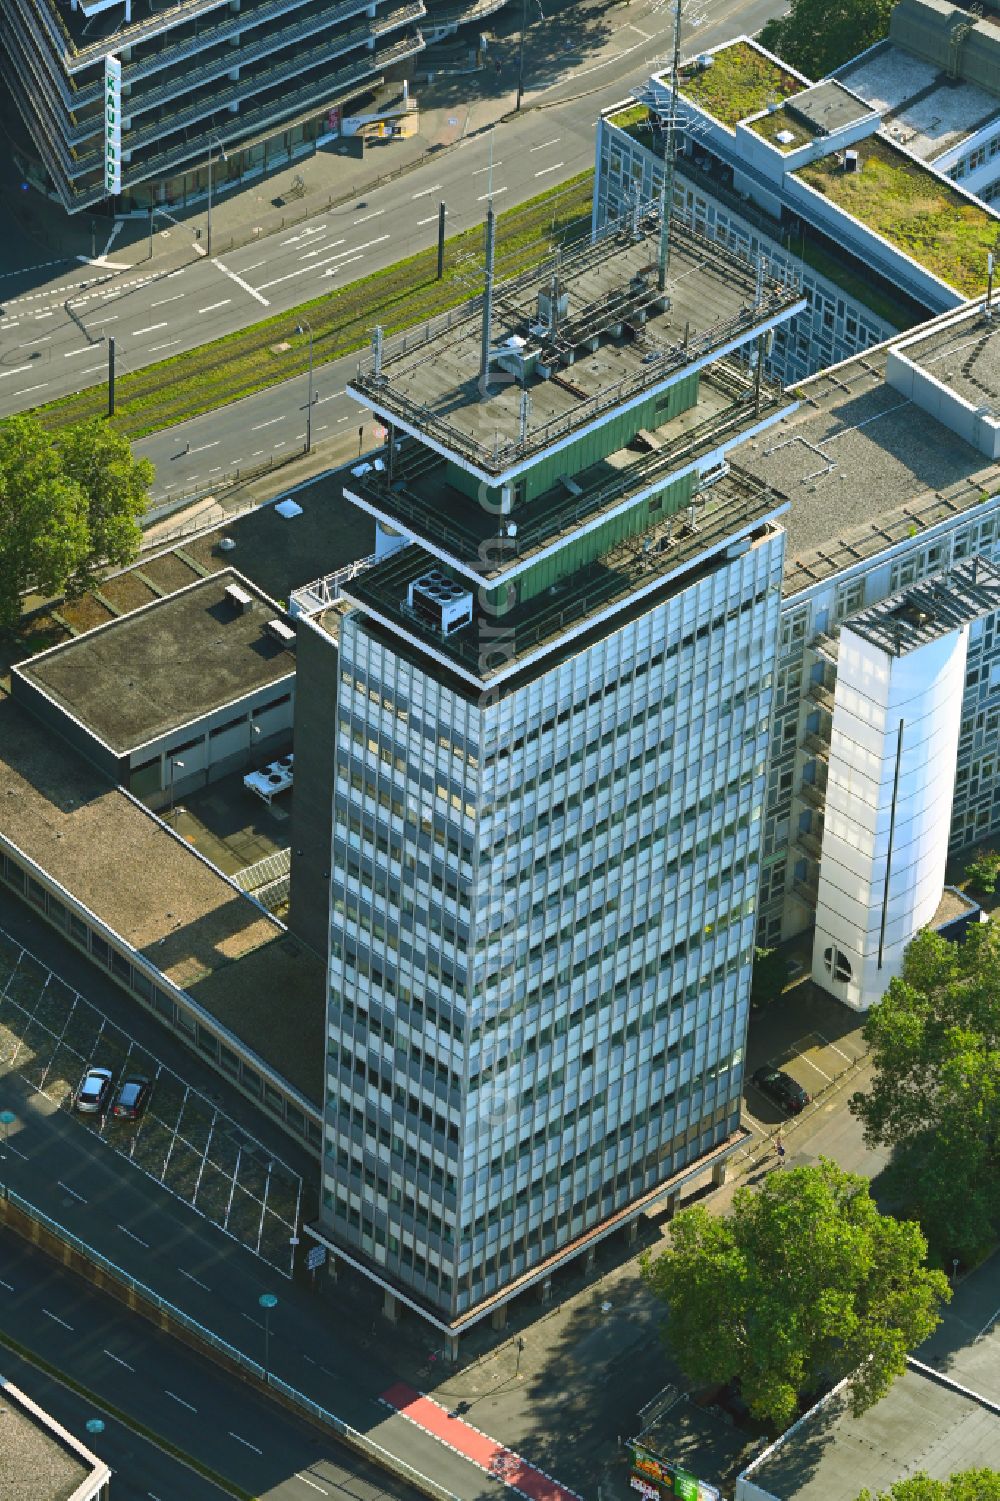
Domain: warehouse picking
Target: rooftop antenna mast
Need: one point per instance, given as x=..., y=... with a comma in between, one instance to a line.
x=484, y=356
x=670, y=155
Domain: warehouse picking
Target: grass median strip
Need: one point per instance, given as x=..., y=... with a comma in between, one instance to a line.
x=399, y=297
x=101, y=1405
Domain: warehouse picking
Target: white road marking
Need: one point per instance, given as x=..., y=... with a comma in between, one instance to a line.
x=256, y=266
x=118, y=1360
x=43, y=339
x=554, y=168
x=312, y=1484
x=250, y=1320
x=191, y=1278
x=29, y=389
x=19, y=371
x=245, y=1441
x=87, y=349
x=132, y=1236
x=334, y=269
x=434, y=188
x=72, y=1191
x=91, y=370
x=365, y=217
x=155, y=348
x=828, y=1044
x=342, y=419
x=816, y=1067
x=216, y=470
x=244, y=284
x=269, y=423
x=113, y=319
x=10, y=1289
x=480, y=170
x=432, y=220
x=542, y=144
x=495, y=193
x=56, y=1319
x=213, y=305
x=256, y=453
x=214, y=444
x=340, y=255
x=181, y=1401
x=304, y=1357
x=164, y=300
x=138, y=332
x=46, y=315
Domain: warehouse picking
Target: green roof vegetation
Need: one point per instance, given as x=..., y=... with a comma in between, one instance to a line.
x=740, y=82
x=913, y=209
x=631, y=115
x=768, y=126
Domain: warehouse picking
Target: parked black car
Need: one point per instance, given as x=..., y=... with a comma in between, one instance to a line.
x=132, y=1097
x=783, y=1089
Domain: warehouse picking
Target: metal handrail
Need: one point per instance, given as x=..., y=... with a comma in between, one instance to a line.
x=395, y=496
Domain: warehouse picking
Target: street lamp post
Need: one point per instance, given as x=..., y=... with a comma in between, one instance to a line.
x=7, y=1119
x=299, y=329
x=267, y=1301
x=174, y=763
x=520, y=54
x=222, y=153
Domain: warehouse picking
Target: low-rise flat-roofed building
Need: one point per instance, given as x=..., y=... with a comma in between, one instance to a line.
x=935, y=81
x=807, y=178
x=175, y=694
x=39, y=1459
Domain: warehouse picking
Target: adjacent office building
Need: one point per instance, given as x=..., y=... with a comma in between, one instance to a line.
x=808, y=177
x=551, y=740
x=241, y=82
x=935, y=81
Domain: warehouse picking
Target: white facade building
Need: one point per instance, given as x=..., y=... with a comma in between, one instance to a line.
x=890, y=788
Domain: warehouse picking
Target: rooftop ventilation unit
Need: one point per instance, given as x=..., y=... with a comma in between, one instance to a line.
x=239, y=598
x=440, y=601
x=852, y=162
x=280, y=632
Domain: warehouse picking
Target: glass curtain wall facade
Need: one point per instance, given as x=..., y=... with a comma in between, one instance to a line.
x=540, y=961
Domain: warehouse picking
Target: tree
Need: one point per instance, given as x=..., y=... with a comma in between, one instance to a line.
x=770, y=972
x=816, y=36
x=965, y=1485
x=66, y=507
x=804, y=1281
x=984, y=870
x=934, y=1040
x=43, y=516
x=116, y=487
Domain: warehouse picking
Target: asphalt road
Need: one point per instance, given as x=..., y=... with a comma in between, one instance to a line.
x=167, y=1389
x=322, y=1346
x=53, y=336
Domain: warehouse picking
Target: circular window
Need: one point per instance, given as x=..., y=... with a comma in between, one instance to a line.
x=838, y=966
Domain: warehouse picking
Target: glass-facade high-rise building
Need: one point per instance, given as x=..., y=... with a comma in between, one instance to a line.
x=552, y=726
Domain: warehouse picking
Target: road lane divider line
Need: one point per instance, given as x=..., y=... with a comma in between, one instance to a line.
x=57, y=1320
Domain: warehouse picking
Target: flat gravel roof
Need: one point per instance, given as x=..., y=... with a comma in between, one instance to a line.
x=166, y=664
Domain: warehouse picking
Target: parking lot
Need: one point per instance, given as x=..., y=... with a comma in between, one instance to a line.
x=50, y=1034
x=814, y=1060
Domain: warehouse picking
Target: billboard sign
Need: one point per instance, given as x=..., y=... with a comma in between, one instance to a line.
x=653, y=1476
x=112, y=125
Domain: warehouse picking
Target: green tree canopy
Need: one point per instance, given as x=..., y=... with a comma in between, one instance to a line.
x=116, y=487
x=817, y=36
x=43, y=516
x=65, y=507
x=805, y=1280
x=965, y=1485
x=934, y=1040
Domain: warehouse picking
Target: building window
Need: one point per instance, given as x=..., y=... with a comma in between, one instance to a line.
x=837, y=965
